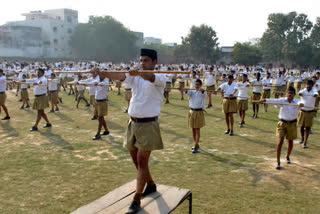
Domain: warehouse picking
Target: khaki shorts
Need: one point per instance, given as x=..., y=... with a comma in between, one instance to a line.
x=127, y=95
x=41, y=102
x=211, y=88
x=229, y=106
x=143, y=136
x=181, y=84
x=92, y=100
x=101, y=108
x=278, y=93
x=256, y=96
x=118, y=84
x=266, y=94
x=24, y=93
x=196, y=119
x=168, y=87
x=305, y=119
x=288, y=130
x=242, y=105
x=81, y=94
x=53, y=96
x=3, y=97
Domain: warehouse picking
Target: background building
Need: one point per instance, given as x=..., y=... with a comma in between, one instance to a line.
x=52, y=30
x=152, y=40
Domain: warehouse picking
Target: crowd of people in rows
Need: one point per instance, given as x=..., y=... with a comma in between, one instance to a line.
x=144, y=93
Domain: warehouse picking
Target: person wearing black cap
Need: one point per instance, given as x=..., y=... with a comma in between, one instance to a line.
x=143, y=131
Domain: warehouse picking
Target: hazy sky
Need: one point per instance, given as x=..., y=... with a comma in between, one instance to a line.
x=233, y=20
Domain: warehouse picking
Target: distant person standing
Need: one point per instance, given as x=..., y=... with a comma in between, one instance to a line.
x=53, y=92
x=195, y=116
x=210, y=81
x=243, y=96
x=3, y=85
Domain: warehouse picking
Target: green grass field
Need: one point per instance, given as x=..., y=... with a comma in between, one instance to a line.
x=60, y=169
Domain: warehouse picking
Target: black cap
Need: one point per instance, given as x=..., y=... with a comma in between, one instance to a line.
x=149, y=52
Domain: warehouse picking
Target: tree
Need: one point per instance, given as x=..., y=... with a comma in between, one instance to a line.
x=202, y=44
x=246, y=53
x=161, y=49
x=104, y=38
x=315, y=41
x=287, y=38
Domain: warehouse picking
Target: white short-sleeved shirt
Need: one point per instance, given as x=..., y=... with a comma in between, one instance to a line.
x=90, y=81
x=3, y=83
x=210, y=79
x=146, y=96
x=196, y=99
x=267, y=83
x=257, y=86
x=102, y=89
x=286, y=112
x=39, y=89
x=52, y=84
x=308, y=98
x=228, y=89
x=243, y=90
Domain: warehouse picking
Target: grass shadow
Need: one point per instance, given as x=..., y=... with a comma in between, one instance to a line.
x=11, y=132
x=257, y=175
x=57, y=140
x=63, y=116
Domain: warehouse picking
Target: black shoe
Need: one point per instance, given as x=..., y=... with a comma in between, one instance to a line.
x=88, y=105
x=167, y=102
x=51, y=111
x=231, y=132
x=209, y=106
x=57, y=109
x=243, y=122
x=195, y=149
x=34, y=128
x=227, y=131
x=48, y=125
x=278, y=166
x=94, y=118
x=22, y=107
x=288, y=160
x=27, y=106
x=125, y=111
x=97, y=137
x=301, y=141
x=149, y=189
x=20, y=100
x=133, y=208
x=6, y=118
x=304, y=146
x=106, y=133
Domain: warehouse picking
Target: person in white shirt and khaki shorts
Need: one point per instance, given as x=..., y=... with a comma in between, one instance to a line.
x=305, y=118
x=143, y=130
x=3, y=85
x=41, y=101
x=242, y=101
x=287, y=125
x=195, y=115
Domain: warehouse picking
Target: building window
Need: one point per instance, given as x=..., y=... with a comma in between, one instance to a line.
x=55, y=41
x=55, y=29
x=69, y=19
x=69, y=30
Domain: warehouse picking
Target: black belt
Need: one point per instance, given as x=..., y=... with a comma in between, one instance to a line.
x=144, y=120
x=128, y=89
x=307, y=110
x=23, y=88
x=53, y=91
x=289, y=121
x=267, y=89
x=2, y=92
x=257, y=93
x=168, y=82
x=196, y=109
x=40, y=95
x=101, y=100
x=230, y=98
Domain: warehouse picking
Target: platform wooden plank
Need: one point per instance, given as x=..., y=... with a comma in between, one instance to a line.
x=108, y=199
x=165, y=200
x=125, y=202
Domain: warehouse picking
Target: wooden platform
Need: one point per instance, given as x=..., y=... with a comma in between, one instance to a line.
x=165, y=200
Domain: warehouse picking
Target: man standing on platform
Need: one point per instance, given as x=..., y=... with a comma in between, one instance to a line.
x=143, y=131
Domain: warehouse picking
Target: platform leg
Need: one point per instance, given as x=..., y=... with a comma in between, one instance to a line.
x=190, y=203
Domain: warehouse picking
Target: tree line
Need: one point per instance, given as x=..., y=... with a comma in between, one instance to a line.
x=290, y=39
